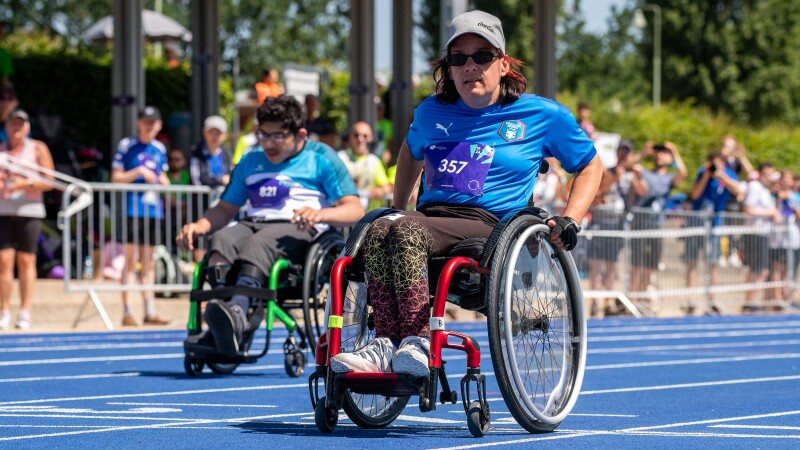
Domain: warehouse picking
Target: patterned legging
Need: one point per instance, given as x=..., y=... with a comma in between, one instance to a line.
x=396, y=257
x=396, y=253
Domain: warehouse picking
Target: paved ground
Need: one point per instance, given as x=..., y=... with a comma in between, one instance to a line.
x=699, y=382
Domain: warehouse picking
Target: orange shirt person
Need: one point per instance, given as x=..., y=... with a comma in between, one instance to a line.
x=269, y=86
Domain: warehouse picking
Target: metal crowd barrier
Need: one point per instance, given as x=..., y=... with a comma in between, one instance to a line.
x=94, y=240
x=687, y=260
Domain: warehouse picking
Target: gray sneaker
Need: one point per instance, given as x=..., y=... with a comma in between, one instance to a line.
x=375, y=357
x=412, y=357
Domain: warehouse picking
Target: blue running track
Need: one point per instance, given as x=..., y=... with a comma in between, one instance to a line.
x=700, y=382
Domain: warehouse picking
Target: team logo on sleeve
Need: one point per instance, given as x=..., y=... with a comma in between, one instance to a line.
x=512, y=130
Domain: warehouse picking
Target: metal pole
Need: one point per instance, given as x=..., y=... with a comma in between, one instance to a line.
x=545, y=78
x=656, y=49
x=127, y=70
x=362, y=63
x=657, y=56
x=400, y=90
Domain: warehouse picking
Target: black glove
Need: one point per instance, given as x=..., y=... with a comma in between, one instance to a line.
x=566, y=229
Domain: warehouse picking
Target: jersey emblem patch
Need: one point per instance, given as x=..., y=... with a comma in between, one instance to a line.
x=512, y=130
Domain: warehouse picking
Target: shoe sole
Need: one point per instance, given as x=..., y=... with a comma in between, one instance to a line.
x=220, y=320
x=409, y=366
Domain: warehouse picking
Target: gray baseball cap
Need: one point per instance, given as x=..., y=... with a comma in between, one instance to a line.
x=18, y=113
x=481, y=23
x=215, y=122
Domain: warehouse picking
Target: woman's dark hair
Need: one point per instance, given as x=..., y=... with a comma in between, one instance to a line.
x=284, y=109
x=512, y=85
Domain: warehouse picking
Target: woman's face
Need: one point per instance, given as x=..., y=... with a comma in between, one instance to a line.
x=477, y=84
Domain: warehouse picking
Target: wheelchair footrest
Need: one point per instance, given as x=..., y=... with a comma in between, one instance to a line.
x=388, y=384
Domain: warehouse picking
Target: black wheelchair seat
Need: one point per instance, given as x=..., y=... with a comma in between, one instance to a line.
x=465, y=287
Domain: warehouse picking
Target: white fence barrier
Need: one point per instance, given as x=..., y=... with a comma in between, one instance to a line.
x=95, y=239
x=688, y=260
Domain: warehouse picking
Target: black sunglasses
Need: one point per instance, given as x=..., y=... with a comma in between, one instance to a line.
x=480, y=58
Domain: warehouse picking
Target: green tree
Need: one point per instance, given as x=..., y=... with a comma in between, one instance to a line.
x=596, y=67
x=735, y=56
x=269, y=34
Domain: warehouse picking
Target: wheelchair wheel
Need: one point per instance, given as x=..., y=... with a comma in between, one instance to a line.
x=365, y=410
x=537, y=329
x=222, y=368
x=316, y=283
x=193, y=367
x=477, y=424
x=325, y=418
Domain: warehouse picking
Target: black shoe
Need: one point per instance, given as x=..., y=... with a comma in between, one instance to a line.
x=226, y=321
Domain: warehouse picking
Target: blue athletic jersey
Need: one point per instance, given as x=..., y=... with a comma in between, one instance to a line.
x=315, y=177
x=131, y=154
x=715, y=196
x=490, y=157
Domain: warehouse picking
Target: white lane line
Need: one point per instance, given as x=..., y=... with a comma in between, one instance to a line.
x=705, y=422
x=431, y=420
x=551, y=437
x=95, y=417
x=716, y=435
x=671, y=347
x=220, y=405
x=53, y=426
x=61, y=348
x=757, y=427
x=704, y=326
x=677, y=362
x=603, y=415
x=156, y=394
x=71, y=377
x=91, y=359
x=718, y=334
x=152, y=426
x=691, y=385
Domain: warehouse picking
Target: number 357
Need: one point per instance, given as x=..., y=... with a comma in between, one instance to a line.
x=452, y=166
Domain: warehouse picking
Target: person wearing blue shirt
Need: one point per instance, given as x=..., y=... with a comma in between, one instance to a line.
x=296, y=189
x=480, y=140
x=714, y=186
x=142, y=160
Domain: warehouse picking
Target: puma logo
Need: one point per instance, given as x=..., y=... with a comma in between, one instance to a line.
x=443, y=128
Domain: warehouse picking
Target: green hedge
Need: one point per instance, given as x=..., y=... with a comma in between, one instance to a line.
x=79, y=90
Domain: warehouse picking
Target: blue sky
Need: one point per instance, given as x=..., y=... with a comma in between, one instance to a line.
x=596, y=12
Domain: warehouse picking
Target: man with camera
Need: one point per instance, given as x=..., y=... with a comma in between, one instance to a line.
x=714, y=186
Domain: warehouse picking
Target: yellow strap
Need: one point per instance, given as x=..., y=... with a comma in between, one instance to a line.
x=335, y=321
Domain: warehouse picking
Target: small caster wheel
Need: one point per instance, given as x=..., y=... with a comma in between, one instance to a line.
x=193, y=367
x=475, y=420
x=222, y=368
x=325, y=417
x=443, y=399
x=294, y=363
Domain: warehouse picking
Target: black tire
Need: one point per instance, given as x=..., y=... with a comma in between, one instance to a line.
x=365, y=410
x=294, y=363
x=538, y=338
x=478, y=427
x=316, y=283
x=324, y=417
x=193, y=367
x=222, y=368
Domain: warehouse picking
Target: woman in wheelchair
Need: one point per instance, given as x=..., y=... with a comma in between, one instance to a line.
x=296, y=188
x=480, y=140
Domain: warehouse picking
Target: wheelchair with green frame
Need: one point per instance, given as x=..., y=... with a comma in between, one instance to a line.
x=529, y=290
x=302, y=288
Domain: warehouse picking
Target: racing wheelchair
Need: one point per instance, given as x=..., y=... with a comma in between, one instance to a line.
x=290, y=287
x=530, y=292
